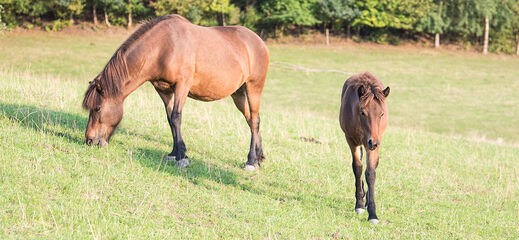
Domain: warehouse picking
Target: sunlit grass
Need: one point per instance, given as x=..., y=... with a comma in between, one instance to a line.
x=429, y=184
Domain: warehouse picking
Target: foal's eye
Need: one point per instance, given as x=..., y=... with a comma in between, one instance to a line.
x=97, y=109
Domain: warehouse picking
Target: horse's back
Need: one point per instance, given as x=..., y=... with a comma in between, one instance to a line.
x=220, y=59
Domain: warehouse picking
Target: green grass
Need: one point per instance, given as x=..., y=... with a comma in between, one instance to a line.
x=448, y=166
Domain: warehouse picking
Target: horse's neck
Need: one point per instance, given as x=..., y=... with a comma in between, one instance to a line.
x=135, y=77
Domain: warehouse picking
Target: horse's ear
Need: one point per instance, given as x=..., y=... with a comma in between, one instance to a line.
x=361, y=91
x=98, y=87
x=386, y=91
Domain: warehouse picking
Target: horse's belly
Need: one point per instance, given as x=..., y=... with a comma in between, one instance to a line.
x=213, y=89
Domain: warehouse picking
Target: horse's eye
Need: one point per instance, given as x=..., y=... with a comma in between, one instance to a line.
x=362, y=113
x=97, y=109
x=381, y=115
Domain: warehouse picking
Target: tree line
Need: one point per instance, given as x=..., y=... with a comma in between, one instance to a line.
x=492, y=25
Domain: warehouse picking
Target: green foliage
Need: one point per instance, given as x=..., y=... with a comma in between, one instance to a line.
x=289, y=12
x=431, y=17
x=385, y=21
x=398, y=14
x=3, y=27
x=199, y=11
x=57, y=25
x=337, y=11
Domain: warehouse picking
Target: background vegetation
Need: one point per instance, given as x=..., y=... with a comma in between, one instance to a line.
x=459, y=22
x=448, y=167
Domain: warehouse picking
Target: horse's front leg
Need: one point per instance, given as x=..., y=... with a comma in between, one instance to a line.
x=356, y=153
x=166, y=94
x=179, y=147
x=372, y=162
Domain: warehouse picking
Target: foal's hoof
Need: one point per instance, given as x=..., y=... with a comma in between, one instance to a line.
x=183, y=163
x=251, y=168
x=359, y=210
x=373, y=221
x=170, y=158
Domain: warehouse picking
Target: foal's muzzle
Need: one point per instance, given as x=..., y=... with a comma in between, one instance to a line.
x=372, y=144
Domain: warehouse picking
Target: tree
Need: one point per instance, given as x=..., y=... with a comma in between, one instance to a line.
x=396, y=14
x=338, y=11
x=70, y=8
x=110, y=5
x=205, y=12
x=432, y=20
x=284, y=13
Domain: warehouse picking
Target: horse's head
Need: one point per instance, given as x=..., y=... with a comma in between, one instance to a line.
x=105, y=114
x=372, y=113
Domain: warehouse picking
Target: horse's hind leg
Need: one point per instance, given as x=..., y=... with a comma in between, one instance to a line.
x=253, y=91
x=242, y=103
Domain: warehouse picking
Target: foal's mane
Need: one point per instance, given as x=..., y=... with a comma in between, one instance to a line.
x=110, y=80
x=371, y=85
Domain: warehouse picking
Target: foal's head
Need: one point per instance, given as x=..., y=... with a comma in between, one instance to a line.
x=106, y=111
x=372, y=113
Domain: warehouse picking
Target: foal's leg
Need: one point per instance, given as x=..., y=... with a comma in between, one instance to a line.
x=356, y=153
x=179, y=147
x=372, y=160
x=253, y=92
x=167, y=98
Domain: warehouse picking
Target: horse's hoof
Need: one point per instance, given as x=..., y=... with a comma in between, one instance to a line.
x=170, y=158
x=373, y=221
x=359, y=210
x=183, y=163
x=251, y=168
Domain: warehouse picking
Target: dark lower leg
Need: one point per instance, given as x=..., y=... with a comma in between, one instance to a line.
x=256, y=152
x=370, y=200
x=179, y=147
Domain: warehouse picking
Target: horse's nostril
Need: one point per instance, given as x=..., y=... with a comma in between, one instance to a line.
x=89, y=141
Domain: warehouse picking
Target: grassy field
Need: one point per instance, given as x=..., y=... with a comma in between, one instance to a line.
x=449, y=159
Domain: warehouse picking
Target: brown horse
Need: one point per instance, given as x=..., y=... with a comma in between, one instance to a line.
x=363, y=118
x=181, y=59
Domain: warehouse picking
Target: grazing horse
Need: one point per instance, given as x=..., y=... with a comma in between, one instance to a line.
x=363, y=119
x=181, y=59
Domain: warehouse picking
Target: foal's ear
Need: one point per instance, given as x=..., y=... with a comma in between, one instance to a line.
x=361, y=91
x=98, y=87
x=386, y=91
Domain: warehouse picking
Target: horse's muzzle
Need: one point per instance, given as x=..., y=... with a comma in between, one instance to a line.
x=96, y=141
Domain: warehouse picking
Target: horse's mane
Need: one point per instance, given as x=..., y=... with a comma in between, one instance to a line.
x=116, y=71
x=371, y=84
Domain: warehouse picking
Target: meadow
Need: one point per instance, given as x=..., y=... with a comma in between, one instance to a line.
x=448, y=169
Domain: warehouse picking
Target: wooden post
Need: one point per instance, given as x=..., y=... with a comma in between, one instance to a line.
x=94, y=13
x=437, y=40
x=327, y=36
x=106, y=17
x=485, y=44
x=130, y=18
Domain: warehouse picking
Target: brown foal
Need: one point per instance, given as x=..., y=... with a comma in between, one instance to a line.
x=363, y=118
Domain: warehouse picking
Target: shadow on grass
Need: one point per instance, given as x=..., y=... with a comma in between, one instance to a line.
x=196, y=173
x=44, y=120
x=64, y=125
x=51, y=122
